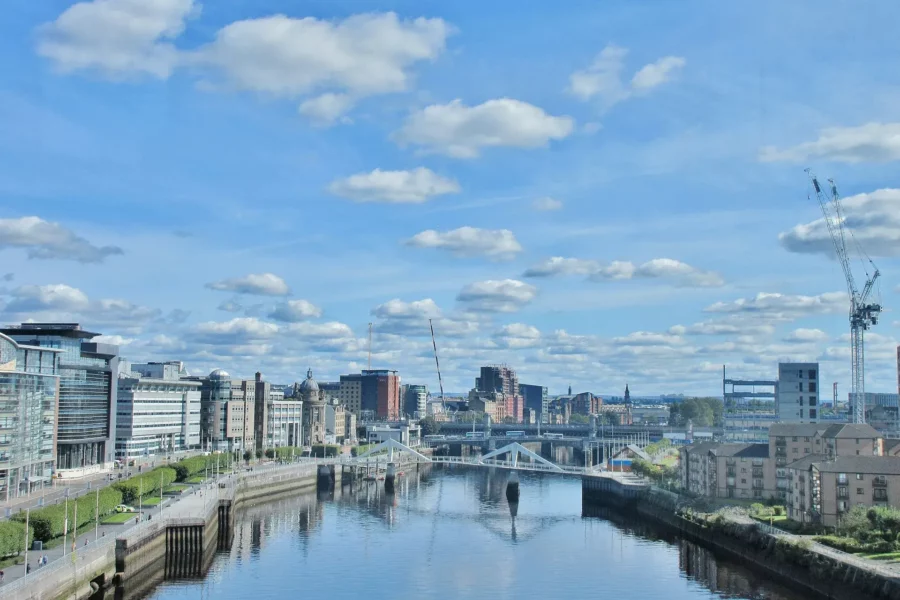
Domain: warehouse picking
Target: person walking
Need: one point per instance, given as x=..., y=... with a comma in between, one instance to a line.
x=28, y=568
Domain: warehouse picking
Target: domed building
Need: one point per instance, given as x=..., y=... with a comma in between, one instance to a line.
x=313, y=411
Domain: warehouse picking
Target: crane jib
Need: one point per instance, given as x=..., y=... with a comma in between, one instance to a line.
x=816, y=185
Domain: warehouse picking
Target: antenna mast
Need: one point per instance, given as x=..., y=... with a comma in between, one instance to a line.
x=438, y=365
x=370, y=347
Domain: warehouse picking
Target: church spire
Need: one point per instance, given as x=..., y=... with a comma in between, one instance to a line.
x=627, y=395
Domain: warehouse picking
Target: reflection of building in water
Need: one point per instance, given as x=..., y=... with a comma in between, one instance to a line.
x=269, y=520
x=725, y=578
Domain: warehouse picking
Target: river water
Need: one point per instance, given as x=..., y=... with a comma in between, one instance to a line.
x=450, y=533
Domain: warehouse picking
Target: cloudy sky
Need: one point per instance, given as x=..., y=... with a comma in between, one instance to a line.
x=606, y=194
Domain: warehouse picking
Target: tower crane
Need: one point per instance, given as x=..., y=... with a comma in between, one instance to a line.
x=438, y=365
x=863, y=313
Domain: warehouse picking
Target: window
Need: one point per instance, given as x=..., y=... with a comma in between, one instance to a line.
x=743, y=481
x=843, y=492
x=794, y=439
x=812, y=386
x=859, y=476
x=806, y=439
x=812, y=415
x=801, y=386
x=812, y=373
x=859, y=491
x=800, y=373
x=857, y=441
x=795, y=451
x=812, y=400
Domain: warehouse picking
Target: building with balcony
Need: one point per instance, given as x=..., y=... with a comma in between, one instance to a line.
x=415, y=400
x=822, y=490
x=85, y=423
x=29, y=394
x=728, y=470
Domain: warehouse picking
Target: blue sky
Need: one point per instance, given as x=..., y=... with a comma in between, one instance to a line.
x=593, y=195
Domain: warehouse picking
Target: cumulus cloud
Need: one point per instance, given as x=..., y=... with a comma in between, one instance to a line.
x=658, y=268
x=324, y=110
x=872, y=142
x=230, y=306
x=240, y=329
x=294, y=311
x=784, y=306
x=506, y=295
x=470, y=241
x=518, y=335
x=60, y=297
x=262, y=284
x=603, y=78
x=412, y=319
x=874, y=219
x=398, y=187
x=462, y=131
x=43, y=239
x=732, y=325
x=802, y=335
x=117, y=37
x=546, y=203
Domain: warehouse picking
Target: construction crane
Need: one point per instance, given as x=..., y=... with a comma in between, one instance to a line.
x=863, y=313
x=370, y=347
x=438, y=365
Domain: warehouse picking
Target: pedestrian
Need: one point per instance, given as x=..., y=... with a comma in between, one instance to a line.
x=2, y=574
x=28, y=568
x=85, y=541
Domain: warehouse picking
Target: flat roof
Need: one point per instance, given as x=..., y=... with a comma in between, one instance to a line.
x=72, y=330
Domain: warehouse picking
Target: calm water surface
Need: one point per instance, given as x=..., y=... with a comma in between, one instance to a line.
x=450, y=533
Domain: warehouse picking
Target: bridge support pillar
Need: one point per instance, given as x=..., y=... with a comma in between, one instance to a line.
x=325, y=477
x=389, y=477
x=512, y=487
x=547, y=450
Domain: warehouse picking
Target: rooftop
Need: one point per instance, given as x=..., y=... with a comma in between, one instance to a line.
x=873, y=465
x=72, y=330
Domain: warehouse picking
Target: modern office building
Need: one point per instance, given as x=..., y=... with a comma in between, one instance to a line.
x=227, y=410
x=350, y=392
x=85, y=428
x=380, y=393
x=415, y=400
x=535, y=398
x=157, y=412
x=285, y=420
x=29, y=393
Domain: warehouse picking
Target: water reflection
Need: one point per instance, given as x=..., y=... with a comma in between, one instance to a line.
x=450, y=533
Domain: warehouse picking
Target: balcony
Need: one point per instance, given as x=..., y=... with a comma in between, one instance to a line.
x=879, y=497
x=731, y=472
x=879, y=481
x=780, y=442
x=758, y=473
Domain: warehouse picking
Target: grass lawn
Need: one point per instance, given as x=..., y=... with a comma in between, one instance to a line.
x=196, y=479
x=148, y=501
x=773, y=519
x=887, y=556
x=119, y=518
x=176, y=488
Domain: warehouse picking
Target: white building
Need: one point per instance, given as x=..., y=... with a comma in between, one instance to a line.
x=797, y=393
x=156, y=415
x=285, y=420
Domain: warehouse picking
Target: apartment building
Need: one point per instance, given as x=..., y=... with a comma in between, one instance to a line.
x=822, y=490
x=797, y=392
x=790, y=442
x=728, y=470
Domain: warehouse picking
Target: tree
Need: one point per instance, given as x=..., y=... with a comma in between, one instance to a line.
x=579, y=419
x=702, y=412
x=429, y=426
x=610, y=418
x=247, y=456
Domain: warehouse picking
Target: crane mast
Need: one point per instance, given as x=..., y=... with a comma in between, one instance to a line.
x=863, y=314
x=438, y=365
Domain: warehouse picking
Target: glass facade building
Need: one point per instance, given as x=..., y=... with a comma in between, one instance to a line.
x=85, y=425
x=29, y=392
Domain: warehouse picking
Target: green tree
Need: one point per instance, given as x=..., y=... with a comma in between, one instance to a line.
x=610, y=418
x=579, y=419
x=429, y=426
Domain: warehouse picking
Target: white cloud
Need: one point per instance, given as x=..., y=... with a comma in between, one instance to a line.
x=470, y=241
x=518, y=335
x=398, y=309
x=294, y=311
x=262, y=284
x=230, y=306
x=657, y=73
x=874, y=219
x=784, y=306
x=462, y=131
x=547, y=203
x=411, y=319
x=34, y=298
x=732, y=325
x=644, y=338
x=658, y=268
x=399, y=187
x=324, y=110
x=43, y=239
x=603, y=79
x=236, y=330
x=507, y=295
x=117, y=37
x=802, y=335
x=872, y=142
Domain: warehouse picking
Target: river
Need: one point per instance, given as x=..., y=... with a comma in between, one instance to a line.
x=450, y=533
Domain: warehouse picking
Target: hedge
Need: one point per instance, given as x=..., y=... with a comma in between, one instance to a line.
x=288, y=452
x=12, y=538
x=329, y=450
x=48, y=522
x=145, y=484
x=362, y=449
x=188, y=467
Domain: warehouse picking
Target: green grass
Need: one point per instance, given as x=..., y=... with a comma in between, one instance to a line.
x=118, y=518
x=196, y=479
x=176, y=488
x=886, y=556
x=150, y=501
x=773, y=519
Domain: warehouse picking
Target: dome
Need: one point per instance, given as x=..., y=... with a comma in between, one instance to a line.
x=219, y=374
x=309, y=385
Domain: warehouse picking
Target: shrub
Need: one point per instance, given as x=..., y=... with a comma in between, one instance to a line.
x=327, y=450
x=270, y=453
x=12, y=538
x=778, y=511
x=288, y=452
x=146, y=484
x=48, y=522
x=844, y=544
x=362, y=449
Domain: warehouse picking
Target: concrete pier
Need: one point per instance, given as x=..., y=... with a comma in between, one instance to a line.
x=390, y=476
x=512, y=488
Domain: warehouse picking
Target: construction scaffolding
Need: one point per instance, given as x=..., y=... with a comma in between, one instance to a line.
x=749, y=408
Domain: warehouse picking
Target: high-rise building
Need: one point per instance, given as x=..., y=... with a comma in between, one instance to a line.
x=415, y=400
x=350, y=392
x=797, y=393
x=29, y=393
x=156, y=411
x=86, y=414
x=536, y=399
x=380, y=393
x=503, y=380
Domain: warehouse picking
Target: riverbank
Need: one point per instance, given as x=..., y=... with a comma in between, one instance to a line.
x=795, y=561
